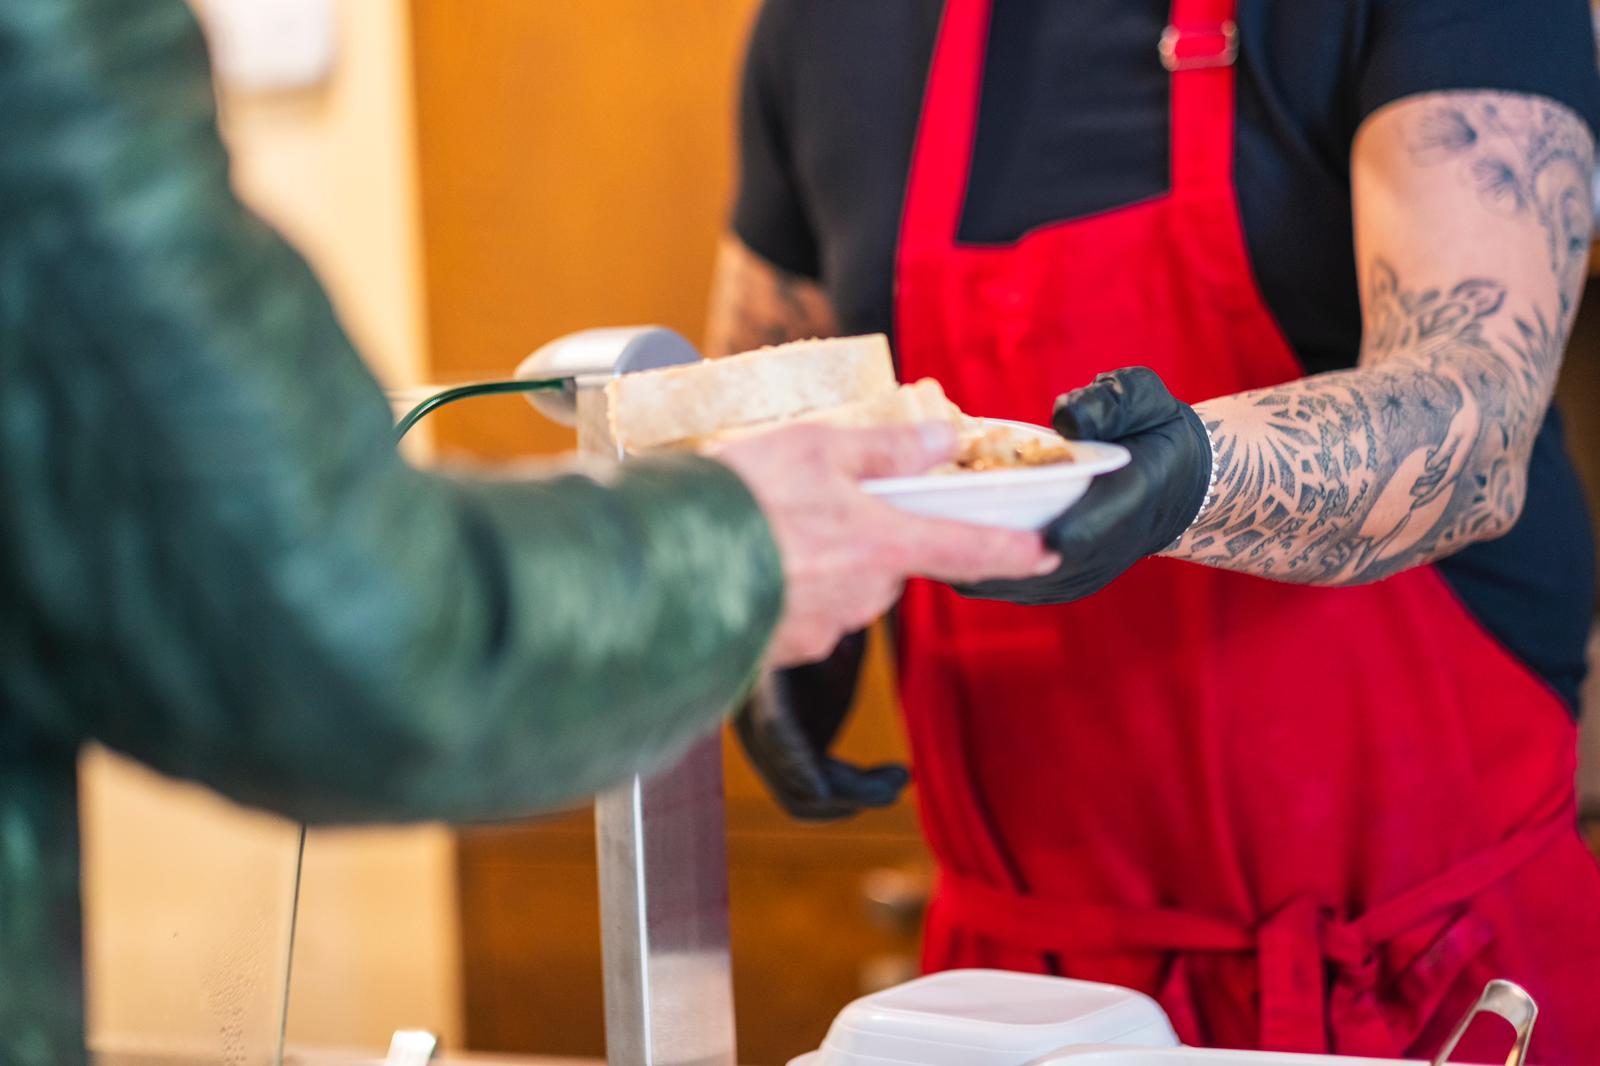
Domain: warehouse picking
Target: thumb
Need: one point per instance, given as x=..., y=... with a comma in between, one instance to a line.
x=895, y=451
x=1115, y=405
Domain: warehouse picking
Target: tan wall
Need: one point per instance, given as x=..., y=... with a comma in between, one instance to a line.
x=187, y=901
x=378, y=948
x=182, y=889
x=335, y=170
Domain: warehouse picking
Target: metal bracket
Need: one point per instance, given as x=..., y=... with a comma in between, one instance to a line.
x=1177, y=53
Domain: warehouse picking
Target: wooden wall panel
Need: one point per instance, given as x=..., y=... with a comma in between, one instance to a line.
x=576, y=161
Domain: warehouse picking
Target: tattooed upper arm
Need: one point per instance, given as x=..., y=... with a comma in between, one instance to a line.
x=1472, y=219
x=754, y=303
x=1526, y=158
x=1487, y=189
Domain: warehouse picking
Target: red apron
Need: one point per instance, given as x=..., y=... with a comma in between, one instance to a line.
x=1305, y=819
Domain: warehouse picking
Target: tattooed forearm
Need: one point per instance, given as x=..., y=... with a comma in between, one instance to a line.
x=1351, y=476
x=1524, y=156
x=754, y=303
x=1423, y=448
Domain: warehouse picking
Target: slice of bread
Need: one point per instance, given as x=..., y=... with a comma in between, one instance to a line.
x=923, y=401
x=656, y=408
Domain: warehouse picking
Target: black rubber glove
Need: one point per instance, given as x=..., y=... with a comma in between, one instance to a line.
x=790, y=723
x=1130, y=513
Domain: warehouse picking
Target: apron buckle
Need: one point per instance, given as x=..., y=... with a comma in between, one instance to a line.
x=1199, y=48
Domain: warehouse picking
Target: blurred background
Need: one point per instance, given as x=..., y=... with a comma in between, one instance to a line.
x=471, y=180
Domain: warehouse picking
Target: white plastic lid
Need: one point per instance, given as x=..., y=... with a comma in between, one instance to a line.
x=989, y=1018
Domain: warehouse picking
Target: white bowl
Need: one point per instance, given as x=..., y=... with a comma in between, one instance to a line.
x=1021, y=498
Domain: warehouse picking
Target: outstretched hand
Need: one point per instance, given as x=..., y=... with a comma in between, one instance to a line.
x=845, y=554
x=1130, y=513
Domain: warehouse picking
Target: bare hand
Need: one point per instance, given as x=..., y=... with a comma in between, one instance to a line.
x=845, y=554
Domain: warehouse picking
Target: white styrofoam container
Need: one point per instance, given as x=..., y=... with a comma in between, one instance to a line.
x=996, y=1018
x=987, y=1018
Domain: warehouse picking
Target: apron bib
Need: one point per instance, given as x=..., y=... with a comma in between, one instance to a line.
x=1305, y=819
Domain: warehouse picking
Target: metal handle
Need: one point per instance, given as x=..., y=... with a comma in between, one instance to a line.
x=1510, y=1002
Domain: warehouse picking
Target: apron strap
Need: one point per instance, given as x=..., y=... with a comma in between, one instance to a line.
x=941, y=162
x=1295, y=948
x=1199, y=48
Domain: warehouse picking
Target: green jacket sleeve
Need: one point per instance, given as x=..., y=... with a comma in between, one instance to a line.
x=221, y=566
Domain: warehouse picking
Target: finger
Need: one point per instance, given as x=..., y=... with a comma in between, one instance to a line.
x=878, y=786
x=894, y=451
x=1027, y=593
x=1114, y=405
x=959, y=553
x=819, y=810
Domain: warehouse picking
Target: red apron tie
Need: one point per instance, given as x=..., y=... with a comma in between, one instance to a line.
x=1320, y=975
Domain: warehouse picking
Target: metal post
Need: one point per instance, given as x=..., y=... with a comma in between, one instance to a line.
x=664, y=917
x=663, y=855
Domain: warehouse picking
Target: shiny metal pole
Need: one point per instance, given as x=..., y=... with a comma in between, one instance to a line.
x=664, y=916
x=661, y=840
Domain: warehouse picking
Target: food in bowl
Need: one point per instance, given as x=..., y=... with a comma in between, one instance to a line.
x=1007, y=448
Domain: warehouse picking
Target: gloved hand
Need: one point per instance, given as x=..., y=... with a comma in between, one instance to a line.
x=790, y=723
x=1130, y=513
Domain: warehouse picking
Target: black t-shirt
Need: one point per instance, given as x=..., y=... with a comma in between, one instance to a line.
x=1073, y=121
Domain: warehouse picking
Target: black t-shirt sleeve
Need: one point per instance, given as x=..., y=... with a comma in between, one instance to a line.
x=1545, y=47
x=769, y=213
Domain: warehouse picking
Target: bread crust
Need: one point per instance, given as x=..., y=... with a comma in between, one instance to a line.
x=656, y=408
x=923, y=401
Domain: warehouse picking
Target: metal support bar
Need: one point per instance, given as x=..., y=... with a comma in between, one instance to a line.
x=664, y=916
x=661, y=840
